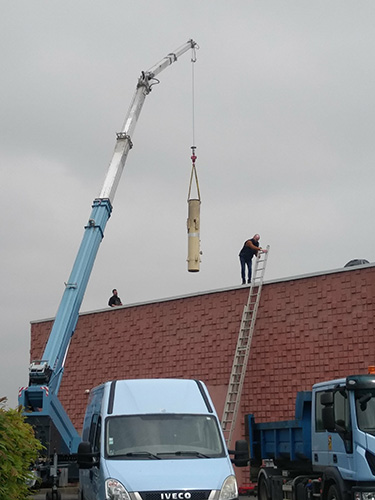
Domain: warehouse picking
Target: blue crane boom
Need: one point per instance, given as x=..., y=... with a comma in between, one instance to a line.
x=40, y=399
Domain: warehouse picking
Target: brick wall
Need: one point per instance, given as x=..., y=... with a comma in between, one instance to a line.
x=308, y=329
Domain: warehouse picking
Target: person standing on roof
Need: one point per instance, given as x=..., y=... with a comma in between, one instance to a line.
x=115, y=300
x=250, y=248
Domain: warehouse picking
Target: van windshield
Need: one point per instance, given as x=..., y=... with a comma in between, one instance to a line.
x=163, y=436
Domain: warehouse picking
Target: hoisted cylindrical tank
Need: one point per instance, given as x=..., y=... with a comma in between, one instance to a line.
x=193, y=228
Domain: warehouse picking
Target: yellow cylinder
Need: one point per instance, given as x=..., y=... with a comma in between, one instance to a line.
x=193, y=228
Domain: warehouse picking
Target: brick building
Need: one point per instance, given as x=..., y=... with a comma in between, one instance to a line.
x=309, y=328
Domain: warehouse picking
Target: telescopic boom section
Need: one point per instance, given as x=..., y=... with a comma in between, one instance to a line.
x=124, y=143
x=40, y=398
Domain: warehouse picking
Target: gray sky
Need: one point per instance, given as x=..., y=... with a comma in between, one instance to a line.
x=284, y=126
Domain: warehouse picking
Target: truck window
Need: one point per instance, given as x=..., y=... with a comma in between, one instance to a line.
x=342, y=418
x=163, y=436
x=342, y=409
x=318, y=412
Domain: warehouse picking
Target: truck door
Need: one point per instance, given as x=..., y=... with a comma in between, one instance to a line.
x=341, y=452
x=319, y=443
x=333, y=447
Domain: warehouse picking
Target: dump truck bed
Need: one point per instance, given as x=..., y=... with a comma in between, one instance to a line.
x=288, y=440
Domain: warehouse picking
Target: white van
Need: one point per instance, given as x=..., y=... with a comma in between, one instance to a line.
x=155, y=439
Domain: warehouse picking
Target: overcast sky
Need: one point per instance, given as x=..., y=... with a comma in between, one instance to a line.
x=284, y=129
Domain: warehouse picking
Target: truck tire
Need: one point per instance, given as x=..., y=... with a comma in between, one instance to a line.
x=263, y=490
x=333, y=493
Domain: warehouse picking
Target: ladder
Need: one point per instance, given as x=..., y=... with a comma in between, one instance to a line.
x=242, y=352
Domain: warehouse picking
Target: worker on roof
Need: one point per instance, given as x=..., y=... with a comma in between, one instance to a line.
x=115, y=300
x=250, y=248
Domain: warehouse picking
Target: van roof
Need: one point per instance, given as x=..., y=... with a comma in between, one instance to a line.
x=141, y=396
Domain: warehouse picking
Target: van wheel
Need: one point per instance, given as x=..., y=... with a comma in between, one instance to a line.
x=263, y=490
x=333, y=493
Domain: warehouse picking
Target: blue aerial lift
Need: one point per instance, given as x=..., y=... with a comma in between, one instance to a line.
x=40, y=400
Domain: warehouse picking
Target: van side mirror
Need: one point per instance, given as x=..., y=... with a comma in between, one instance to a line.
x=241, y=454
x=86, y=459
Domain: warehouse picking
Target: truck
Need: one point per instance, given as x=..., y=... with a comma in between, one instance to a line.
x=39, y=399
x=327, y=452
x=155, y=439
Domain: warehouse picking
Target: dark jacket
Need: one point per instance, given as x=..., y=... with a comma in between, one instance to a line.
x=247, y=252
x=114, y=301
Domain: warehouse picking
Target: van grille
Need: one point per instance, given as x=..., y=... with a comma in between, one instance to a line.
x=175, y=495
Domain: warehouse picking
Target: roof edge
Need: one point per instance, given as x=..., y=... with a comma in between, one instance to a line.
x=220, y=290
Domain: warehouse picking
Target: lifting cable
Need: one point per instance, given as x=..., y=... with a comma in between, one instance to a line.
x=193, y=222
x=193, y=148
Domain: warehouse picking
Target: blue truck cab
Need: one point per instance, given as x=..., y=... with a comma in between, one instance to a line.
x=326, y=452
x=343, y=433
x=154, y=439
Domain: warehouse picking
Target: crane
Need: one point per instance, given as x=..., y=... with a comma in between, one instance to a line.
x=40, y=398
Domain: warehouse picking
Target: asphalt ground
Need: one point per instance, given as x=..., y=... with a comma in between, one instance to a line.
x=67, y=493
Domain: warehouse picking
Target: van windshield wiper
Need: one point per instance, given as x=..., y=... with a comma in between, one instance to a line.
x=185, y=453
x=142, y=454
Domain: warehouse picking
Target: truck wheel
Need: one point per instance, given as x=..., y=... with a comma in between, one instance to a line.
x=333, y=493
x=263, y=490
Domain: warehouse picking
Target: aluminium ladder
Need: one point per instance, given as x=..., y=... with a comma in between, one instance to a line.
x=242, y=352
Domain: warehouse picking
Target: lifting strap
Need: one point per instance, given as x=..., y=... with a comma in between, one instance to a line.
x=194, y=175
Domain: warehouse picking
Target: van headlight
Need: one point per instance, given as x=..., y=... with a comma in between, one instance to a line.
x=229, y=489
x=114, y=490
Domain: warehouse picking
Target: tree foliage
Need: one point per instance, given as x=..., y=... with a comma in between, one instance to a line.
x=18, y=450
